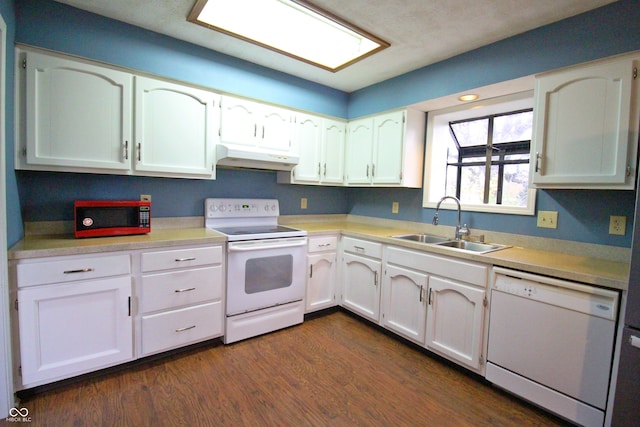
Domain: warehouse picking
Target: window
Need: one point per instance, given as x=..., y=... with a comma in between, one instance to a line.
x=480, y=153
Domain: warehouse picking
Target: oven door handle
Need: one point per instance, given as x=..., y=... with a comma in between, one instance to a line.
x=255, y=246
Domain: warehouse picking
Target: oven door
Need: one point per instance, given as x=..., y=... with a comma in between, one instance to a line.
x=265, y=273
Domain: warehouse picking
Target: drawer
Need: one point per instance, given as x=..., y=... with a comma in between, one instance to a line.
x=452, y=268
x=323, y=243
x=71, y=269
x=179, y=258
x=362, y=247
x=178, y=288
x=176, y=328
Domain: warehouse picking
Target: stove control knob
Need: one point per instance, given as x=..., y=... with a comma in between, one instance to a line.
x=222, y=208
x=273, y=207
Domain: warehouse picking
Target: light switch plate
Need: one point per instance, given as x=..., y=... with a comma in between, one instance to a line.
x=548, y=219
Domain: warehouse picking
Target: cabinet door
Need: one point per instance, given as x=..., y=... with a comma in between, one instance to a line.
x=361, y=290
x=275, y=129
x=173, y=128
x=77, y=115
x=454, y=321
x=238, y=121
x=333, y=138
x=321, y=281
x=308, y=136
x=404, y=308
x=585, y=127
x=70, y=329
x=359, y=146
x=388, y=148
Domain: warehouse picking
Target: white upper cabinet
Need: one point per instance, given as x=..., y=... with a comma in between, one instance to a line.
x=74, y=114
x=320, y=142
x=252, y=124
x=386, y=149
x=586, y=126
x=174, y=128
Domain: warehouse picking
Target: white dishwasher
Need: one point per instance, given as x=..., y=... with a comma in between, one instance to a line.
x=551, y=343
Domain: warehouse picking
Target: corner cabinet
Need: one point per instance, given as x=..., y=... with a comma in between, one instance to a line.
x=586, y=126
x=386, y=150
x=74, y=316
x=79, y=116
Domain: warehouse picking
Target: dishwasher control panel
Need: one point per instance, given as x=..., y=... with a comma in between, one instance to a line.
x=574, y=296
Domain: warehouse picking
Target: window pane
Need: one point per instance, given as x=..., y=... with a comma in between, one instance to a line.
x=512, y=127
x=472, y=185
x=516, y=182
x=471, y=133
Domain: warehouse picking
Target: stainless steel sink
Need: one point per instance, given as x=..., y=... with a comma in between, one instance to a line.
x=464, y=245
x=477, y=247
x=422, y=238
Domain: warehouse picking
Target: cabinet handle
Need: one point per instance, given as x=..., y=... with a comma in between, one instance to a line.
x=325, y=170
x=324, y=245
x=429, y=297
x=263, y=132
x=185, y=259
x=185, y=329
x=421, y=289
x=367, y=171
x=184, y=290
x=373, y=171
x=318, y=168
x=139, y=151
x=537, y=162
x=82, y=270
x=359, y=249
x=311, y=271
x=126, y=150
x=375, y=278
x=255, y=130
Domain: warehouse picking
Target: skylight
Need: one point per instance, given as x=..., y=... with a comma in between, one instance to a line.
x=291, y=27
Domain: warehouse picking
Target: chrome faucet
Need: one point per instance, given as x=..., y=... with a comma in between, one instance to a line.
x=461, y=230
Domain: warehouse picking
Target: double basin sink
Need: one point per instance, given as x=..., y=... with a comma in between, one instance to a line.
x=465, y=245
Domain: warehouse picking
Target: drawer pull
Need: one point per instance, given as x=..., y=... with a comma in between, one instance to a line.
x=185, y=290
x=324, y=245
x=185, y=329
x=82, y=270
x=185, y=259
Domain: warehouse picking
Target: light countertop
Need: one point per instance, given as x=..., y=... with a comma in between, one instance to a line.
x=585, y=269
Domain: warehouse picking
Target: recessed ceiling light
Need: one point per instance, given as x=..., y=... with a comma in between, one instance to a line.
x=292, y=27
x=468, y=97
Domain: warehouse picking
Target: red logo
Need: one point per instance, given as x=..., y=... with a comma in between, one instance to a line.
x=87, y=222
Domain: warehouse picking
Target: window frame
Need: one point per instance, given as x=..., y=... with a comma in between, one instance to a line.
x=438, y=123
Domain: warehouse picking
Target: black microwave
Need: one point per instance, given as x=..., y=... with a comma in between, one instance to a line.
x=97, y=218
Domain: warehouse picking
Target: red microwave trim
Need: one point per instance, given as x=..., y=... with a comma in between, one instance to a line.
x=110, y=231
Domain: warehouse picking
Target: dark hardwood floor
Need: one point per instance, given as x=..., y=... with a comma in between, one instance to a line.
x=333, y=370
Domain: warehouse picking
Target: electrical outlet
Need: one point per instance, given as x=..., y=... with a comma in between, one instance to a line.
x=617, y=225
x=395, y=207
x=303, y=203
x=548, y=219
x=145, y=197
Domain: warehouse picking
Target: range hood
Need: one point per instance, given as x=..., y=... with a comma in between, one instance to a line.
x=239, y=156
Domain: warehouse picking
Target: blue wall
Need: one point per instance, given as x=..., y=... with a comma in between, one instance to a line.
x=14, y=220
x=583, y=215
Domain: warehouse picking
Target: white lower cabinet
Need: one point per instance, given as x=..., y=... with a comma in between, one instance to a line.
x=361, y=272
x=404, y=308
x=455, y=321
x=74, y=316
x=438, y=302
x=321, y=273
x=179, y=293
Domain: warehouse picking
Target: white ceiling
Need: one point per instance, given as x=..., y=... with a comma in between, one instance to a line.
x=421, y=32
